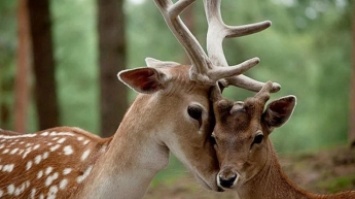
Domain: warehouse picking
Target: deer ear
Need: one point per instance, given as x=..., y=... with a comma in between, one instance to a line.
x=278, y=111
x=143, y=80
x=151, y=62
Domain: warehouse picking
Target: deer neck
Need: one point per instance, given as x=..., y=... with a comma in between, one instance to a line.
x=271, y=183
x=132, y=159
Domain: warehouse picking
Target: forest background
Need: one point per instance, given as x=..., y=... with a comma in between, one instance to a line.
x=307, y=50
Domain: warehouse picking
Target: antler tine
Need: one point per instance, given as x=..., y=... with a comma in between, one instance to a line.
x=264, y=93
x=246, y=82
x=217, y=31
x=170, y=12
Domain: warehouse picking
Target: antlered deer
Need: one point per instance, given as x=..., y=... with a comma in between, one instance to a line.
x=247, y=158
x=171, y=113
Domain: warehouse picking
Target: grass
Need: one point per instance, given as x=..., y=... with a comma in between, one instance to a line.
x=337, y=184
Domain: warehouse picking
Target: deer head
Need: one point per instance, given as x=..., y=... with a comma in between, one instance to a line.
x=242, y=134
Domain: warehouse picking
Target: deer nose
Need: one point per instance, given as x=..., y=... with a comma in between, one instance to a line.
x=227, y=179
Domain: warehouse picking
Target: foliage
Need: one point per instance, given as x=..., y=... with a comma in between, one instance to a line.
x=76, y=56
x=7, y=63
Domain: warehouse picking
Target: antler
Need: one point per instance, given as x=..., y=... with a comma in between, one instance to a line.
x=217, y=31
x=206, y=68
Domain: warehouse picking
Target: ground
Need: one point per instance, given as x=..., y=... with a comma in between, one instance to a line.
x=326, y=171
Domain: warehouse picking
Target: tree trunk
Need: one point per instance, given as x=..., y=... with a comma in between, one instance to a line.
x=352, y=89
x=21, y=79
x=112, y=58
x=43, y=63
x=4, y=116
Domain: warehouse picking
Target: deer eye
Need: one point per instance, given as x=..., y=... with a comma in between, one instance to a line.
x=195, y=112
x=258, y=138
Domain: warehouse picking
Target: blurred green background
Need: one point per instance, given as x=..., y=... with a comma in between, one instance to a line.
x=306, y=50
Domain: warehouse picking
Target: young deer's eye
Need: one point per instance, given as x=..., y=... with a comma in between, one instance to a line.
x=258, y=138
x=195, y=111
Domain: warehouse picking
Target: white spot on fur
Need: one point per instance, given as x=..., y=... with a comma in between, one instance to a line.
x=51, y=178
x=2, y=146
x=20, y=189
x=8, y=168
x=28, y=165
x=45, y=155
x=17, y=136
x=86, y=142
x=33, y=193
x=40, y=174
x=63, y=183
x=45, y=133
x=20, y=151
x=66, y=133
x=13, y=151
x=48, y=170
x=55, y=147
x=1, y=167
x=27, y=183
x=10, y=189
x=6, y=151
x=41, y=196
x=52, y=192
x=53, y=133
x=68, y=150
x=85, y=155
x=61, y=140
x=38, y=159
x=1, y=192
x=80, y=138
x=28, y=150
x=66, y=171
x=36, y=146
x=86, y=173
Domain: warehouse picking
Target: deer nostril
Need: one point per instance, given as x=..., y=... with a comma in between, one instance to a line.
x=227, y=181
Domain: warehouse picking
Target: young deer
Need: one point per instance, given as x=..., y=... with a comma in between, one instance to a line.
x=171, y=113
x=248, y=162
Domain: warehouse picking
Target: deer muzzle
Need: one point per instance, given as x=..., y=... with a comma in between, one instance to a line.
x=227, y=178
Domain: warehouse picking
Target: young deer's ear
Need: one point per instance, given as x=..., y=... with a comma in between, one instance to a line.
x=144, y=80
x=278, y=111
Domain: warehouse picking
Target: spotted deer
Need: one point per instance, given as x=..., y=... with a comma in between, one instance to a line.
x=172, y=112
x=248, y=162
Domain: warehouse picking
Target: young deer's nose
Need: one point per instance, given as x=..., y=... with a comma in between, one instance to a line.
x=227, y=179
